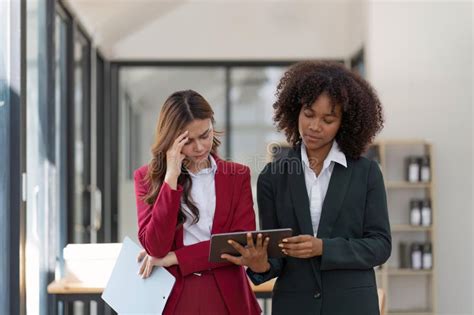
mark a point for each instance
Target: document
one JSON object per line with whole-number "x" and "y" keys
{"x": 127, "y": 293}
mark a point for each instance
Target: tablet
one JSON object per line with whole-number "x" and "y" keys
{"x": 220, "y": 246}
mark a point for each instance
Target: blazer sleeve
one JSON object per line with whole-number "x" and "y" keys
{"x": 375, "y": 246}
{"x": 157, "y": 222}
{"x": 195, "y": 258}
{"x": 268, "y": 220}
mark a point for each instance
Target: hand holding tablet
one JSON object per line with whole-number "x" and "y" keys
{"x": 235, "y": 246}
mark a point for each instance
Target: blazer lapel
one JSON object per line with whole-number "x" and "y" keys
{"x": 300, "y": 200}
{"x": 224, "y": 183}
{"x": 299, "y": 193}
{"x": 332, "y": 204}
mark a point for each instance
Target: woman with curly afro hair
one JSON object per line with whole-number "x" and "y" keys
{"x": 333, "y": 198}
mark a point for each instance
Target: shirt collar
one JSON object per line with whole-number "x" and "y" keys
{"x": 209, "y": 170}
{"x": 334, "y": 155}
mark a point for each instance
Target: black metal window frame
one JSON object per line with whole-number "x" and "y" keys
{"x": 107, "y": 124}
{"x": 78, "y": 34}
{"x": 100, "y": 150}
{"x": 107, "y": 149}
{"x": 107, "y": 231}
{"x": 66, "y": 93}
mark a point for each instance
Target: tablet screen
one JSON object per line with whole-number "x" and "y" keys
{"x": 220, "y": 246}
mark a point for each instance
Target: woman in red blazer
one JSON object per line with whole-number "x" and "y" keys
{"x": 185, "y": 194}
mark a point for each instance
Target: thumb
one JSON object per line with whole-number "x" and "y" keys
{"x": 141, "y": 255}
{"x": 232, "y": 259}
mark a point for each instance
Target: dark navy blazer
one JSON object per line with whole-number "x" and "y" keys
{"x": 354, "y": 227}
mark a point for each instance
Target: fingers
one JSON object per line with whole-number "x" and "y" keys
{"x": 295, "y": 246}
{"x": 232, "y": 259}
{"x": 300, "y": 246}
{"x": 145, "y": 270}
{"x": 238, "y": 247}
{"x": 265, "y": 244}
{"x": 149, "y": 269}
{"x": 181, "y": 140}
{"x": 259, "y": 240}
{"x": 147, "y": 266}
{"x": 250, "y": 244}
{"x": 298, "y": 253}
{"x": 141, "y": 255}
{"x": 178, "y": 143}
{"x": 261, "y": 243}
{"x": 181, "y": 144}
{"x": 174, "y": 157}
{"x": 181, "y": 137}
{"x": 142, "y": 267}
{"x": 297, "y": 239}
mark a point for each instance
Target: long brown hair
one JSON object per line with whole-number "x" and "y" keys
{"x": 180, "y": 109}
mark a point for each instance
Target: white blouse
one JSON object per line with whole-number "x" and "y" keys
{"x": 317, "y": 186}
{"x": 203, "y": 194}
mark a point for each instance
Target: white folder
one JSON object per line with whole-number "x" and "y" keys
{"x": 127, "y": 293}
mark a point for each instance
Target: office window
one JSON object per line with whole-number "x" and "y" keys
{"x": 252, "y": 95}
{"x": 39, "y": 166}
{"x": 100, "y": 234}
{"x": 46, "y": 149}
{"x": 60, "y": 132}
{"x": 10, "y": 176}
{"x": 81, "y": 217}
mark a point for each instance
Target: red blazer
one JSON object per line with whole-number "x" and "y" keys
{"x": 234, "y": 211}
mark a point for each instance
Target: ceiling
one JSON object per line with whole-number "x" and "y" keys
{"x": 197, "y": 30}
{"x": 220, "y": 29}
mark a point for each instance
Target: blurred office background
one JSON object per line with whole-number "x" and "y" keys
{"x": 82, "y": 83}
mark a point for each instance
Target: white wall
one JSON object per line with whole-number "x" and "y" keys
{"x": 419, "y": 58}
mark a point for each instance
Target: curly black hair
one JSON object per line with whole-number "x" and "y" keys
{"x": 304, "y": 82}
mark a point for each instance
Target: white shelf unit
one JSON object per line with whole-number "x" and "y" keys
{"x": 402, "y": 284}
